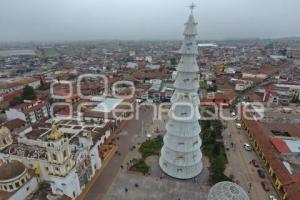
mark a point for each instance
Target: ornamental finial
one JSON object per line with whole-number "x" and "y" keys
{"x": 192, "y": 6}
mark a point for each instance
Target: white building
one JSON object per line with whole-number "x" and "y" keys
{"x": 181, "y": 156}
{"x": 241, "y": 85}
{"x": 29, "y": 111}
{"x": 66, "y": 155}
{"x": 131, "y": 65}
{"x": 15, "y": 181}
{"x": 254, "y": 75}
{"x": 152, "y": 67}
{"x": 148, "y": 59}
{"x": 229, "y": 70}
{"x": 11, "y": 86}
{"x": 114, "y": 110}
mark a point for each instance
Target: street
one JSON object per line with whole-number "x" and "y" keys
{"x": 103, "y": 182}
{"x": 244, "y": 173}
{"x": 239, "y": 166}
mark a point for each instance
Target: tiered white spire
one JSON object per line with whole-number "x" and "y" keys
{"x": 181, "y": 156}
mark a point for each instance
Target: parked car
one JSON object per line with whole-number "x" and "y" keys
{"x": 247, "y": 147}
{"x": 233, "y": 114}
{"x": 261, "y": 173}
{"x": 265, "y": 186}
{"x": 272, "y": 197}
{"x": 238, "y": 125}
{"x": 156, "y": 101}
{"x": 165, "y": 99}
{"x": 140, "y": 101}
{"x": 255, "y": 163}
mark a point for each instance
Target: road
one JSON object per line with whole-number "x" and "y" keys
{"x": 267, "y": 81}
{"x": 103, "y": 182}
{"x": 238, "y": 163}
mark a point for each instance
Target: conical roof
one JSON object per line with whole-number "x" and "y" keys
{"x": 190, "y": 26}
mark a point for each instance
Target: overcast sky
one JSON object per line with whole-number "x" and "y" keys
{"x": 145, "y": 19}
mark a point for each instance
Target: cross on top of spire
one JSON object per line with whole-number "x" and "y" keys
{"x": 192, "y": 6}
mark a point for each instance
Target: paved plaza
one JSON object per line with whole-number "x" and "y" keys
{"x": 156, "y": 185}
{"x": 149, "y": 187}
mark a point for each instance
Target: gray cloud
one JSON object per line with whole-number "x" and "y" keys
{"x": 145, "y": 19}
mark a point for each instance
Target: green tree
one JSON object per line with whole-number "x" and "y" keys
{"x": 15, "y": 101}
{"x": 28, "y": 93}
{"x": 216, "y": 149}
{"x": 295, "y": 98}
{"x": 283, "y": 52}
{"x": 203, "y": 84}
{"x": 173, "y": 61}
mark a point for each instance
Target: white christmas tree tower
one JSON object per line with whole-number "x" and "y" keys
{"x": 181, "y": 156}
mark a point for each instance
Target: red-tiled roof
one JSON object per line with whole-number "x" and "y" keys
{"x": 263, "y": 136}
{"x": 14, "y": 124}
{"x": 19, "y": 82}
{"x": 280, "y": 145}
{"x": 30, "y": 106}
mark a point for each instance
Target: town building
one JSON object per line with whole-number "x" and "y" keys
{"x": 16, "y": 181}
{"x": 113, "y": 110}
{"x": 30, "y": 111}
{"x": 277, "y": 144}
{"x": 65, "y": 154}
{"x": 11, "y": 86}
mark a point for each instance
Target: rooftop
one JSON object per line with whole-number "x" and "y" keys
{"x": 274, "y": 141}
{"x": 27, "y": 151}
{"x": 11, "y": 170}
{"x": 21, "y": 81}
{"x": 107, "y": 105}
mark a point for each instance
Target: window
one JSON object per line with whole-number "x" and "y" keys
{"x": 11, "y": 187}
{"x": 23, "y": 180}
{"x": 179, "y": 170}
{"x": 17, "y": 184}
{"x": 57, "y": 169}
{"x": 65, "y": 153}
{"x": 54, "y": 156}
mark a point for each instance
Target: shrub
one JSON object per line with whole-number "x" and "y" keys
{"x": 140, "y": 166}
{"x": 15, "y": 101}
{"x": 214, "y": 150}
{"x": 151, "y": 147}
